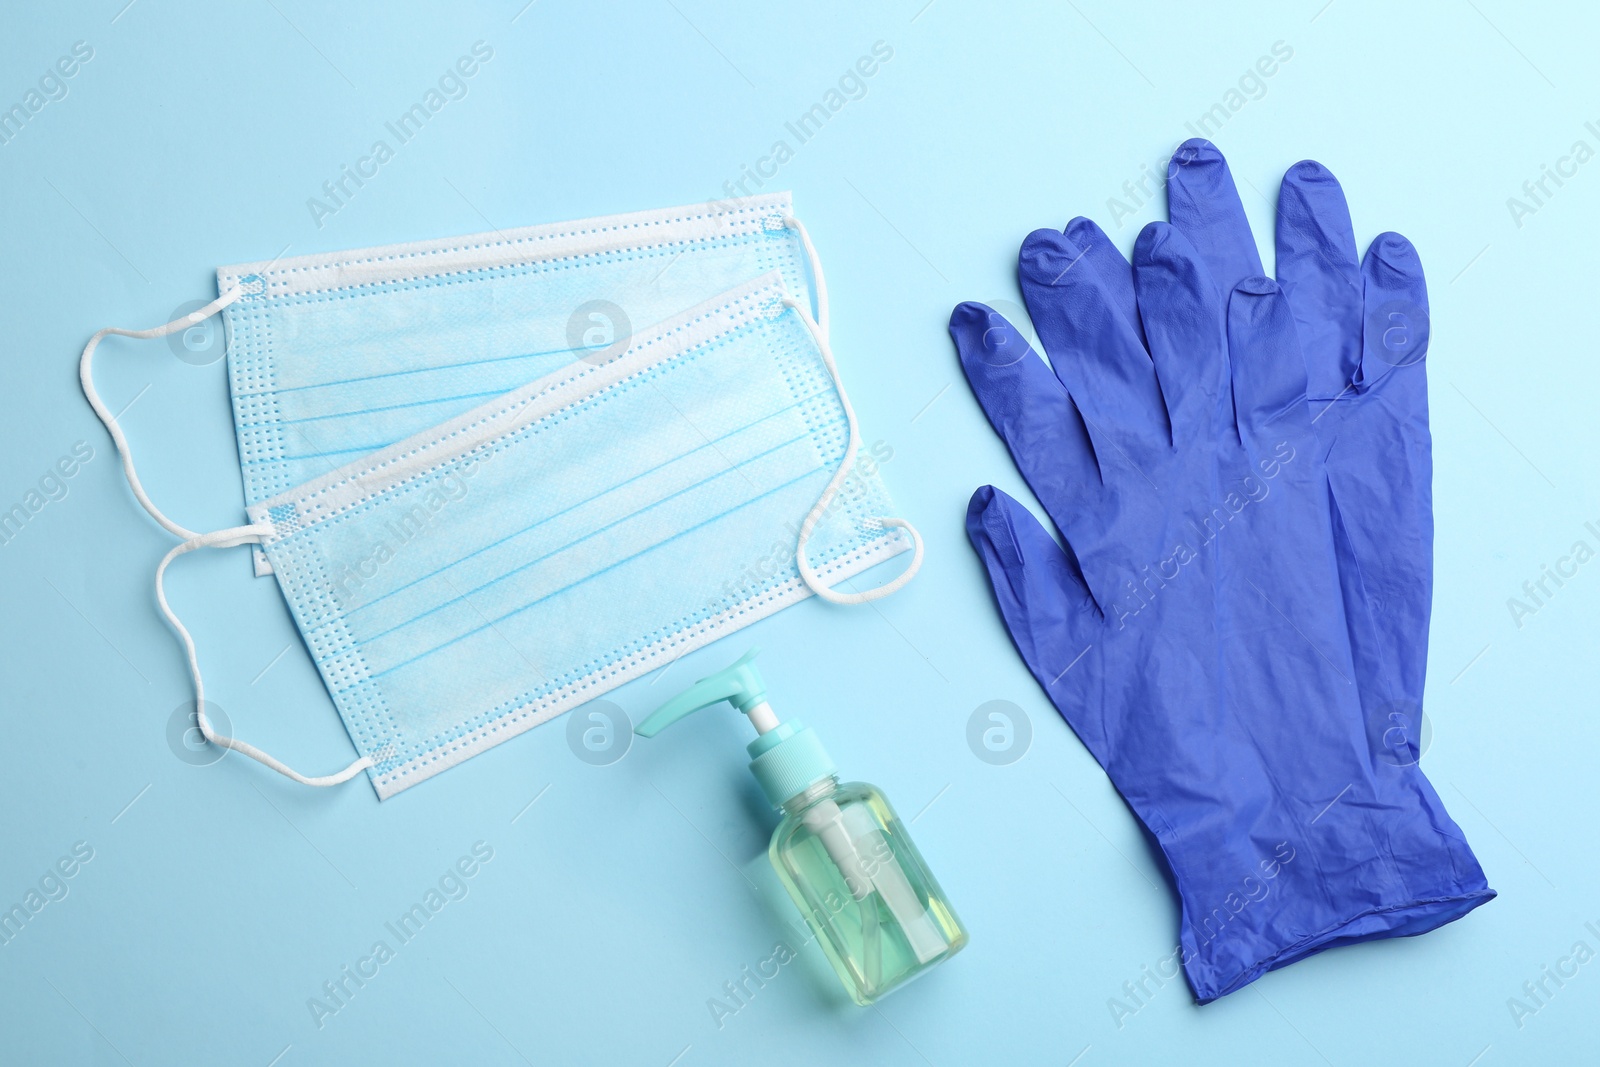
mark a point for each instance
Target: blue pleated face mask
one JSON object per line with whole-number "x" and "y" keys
{"x": 526, "y": 556}
{"x": 333, "y": 356}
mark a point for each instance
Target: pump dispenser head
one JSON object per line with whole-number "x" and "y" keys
{"x": 785, "y": 758}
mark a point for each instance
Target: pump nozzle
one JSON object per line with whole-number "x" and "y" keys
{"x": 739, "y": 684}
{"x": 785, "y": 759}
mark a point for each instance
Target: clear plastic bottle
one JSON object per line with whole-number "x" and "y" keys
{"x": 840, "y": 850}
{"x": 861, "y": 884}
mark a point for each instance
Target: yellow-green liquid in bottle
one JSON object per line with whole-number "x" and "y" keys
{"x": 863, "y": 888}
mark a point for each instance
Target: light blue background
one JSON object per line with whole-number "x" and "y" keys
{"x": 221, "y": 898}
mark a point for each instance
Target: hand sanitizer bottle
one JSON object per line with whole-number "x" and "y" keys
{"x": 840, "y": 850}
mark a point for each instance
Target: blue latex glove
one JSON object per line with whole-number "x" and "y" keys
{"x": 1192, "y": 634}
{"x": 1363, "y": 326}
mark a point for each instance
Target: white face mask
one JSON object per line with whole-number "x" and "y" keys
{"x": 486, "y": 574}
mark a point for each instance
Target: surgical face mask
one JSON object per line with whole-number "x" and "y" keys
{"x": 331, "y": 357}
{"x": 497, "y": 569}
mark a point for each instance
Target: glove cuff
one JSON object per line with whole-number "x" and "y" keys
{"x": 1273, "y": 921}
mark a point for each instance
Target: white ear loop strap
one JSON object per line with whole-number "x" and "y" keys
{"x": 86, "y": 376}
{"x": 238, "y": 535}
{"x": 819, "y": 333}
{"x": 818, "y": 280}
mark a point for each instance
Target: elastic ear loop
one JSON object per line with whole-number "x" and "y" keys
{"x": 86, "y": 376}
{"x": 818, "y": 280}
{"x": 819, "y": 331}
{"x": 229, "y": 538}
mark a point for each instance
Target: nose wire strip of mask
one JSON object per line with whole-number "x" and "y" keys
{"x": 818, "y": 329}
{"x": 229, "y": 538}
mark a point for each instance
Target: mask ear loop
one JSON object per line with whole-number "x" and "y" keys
{"x": 237, "y": 535}
{"x": 229, "y": 538}
{"x": 820, "y": 283}
{"x": 86, "y": 376}
{"x": 819, "y": 333}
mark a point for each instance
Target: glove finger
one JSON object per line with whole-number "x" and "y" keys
{"x": 1096, "y": 354}
{"x": 1047, "y": 609}
{"x": 1381, "y": 465}
{"x": 1029, "y": 409}
{"x": 1112, "y": 266}
{"x": 1187, "y": 327}
{"x": 1319, "y": 274}
{"x": 1269, "y": 374}
{"x": 1396, "y": 300}
{"x": 1203, "y": 202}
